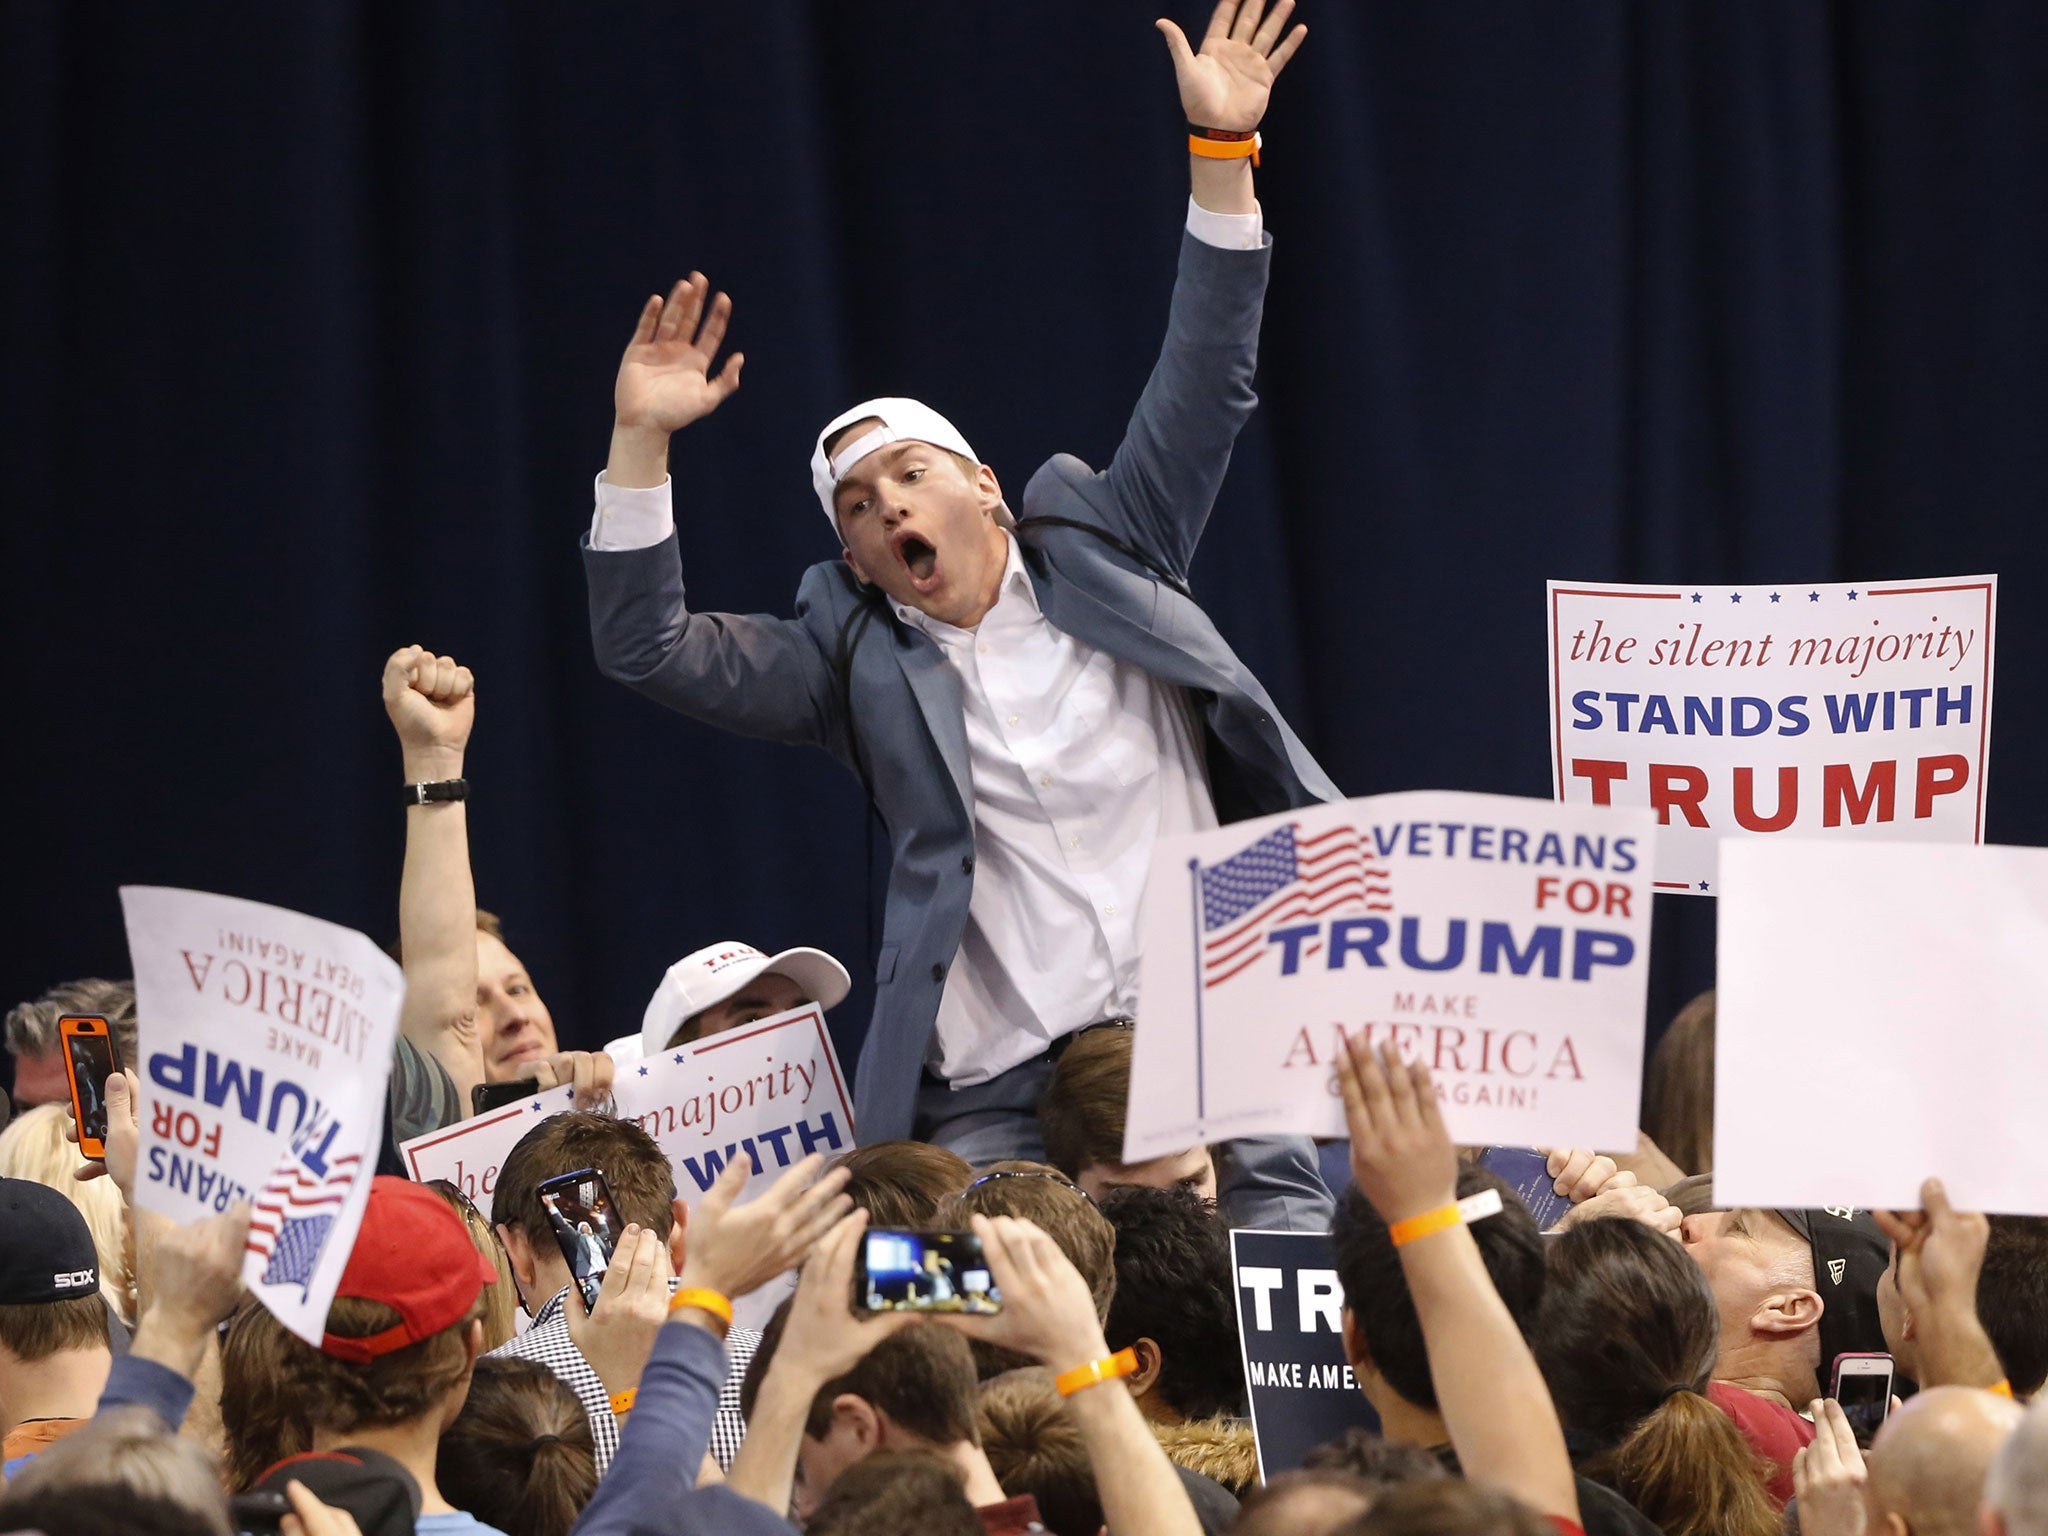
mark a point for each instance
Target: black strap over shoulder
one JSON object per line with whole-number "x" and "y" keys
{"x": 1129, "y": 551}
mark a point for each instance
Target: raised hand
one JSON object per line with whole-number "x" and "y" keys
{"x": 1228, "y": 83}
{"x": 734, "y": 1250}
{"x": 123, "y": 1092}
{"x": 617, "y": 1335}
{"x": 1402, "y": 1158}
{"x": 432, "y": 702}
{"x": 1048, "y": 1312}
{"x": 665, "y": 380}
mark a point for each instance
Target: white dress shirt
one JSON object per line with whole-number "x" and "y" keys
{"x": 1080, "y": 763}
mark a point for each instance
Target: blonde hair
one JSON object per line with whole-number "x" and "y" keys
{"x": 34, "y": 1148}
{"x": 501, "y": 1296}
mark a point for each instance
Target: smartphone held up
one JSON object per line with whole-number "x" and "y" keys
{"x": 1863, "y": 1387}
{"x": 90, "y": 1058}
{"x": 586, "y": 1226}
{"x": 905, "y": 1271}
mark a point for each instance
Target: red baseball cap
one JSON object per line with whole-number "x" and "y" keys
{"x": 413, "y": 1254}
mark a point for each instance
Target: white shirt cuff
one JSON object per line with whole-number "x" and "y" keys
{"x": 630, "y": 517}
{"x": 1229, "y": 231}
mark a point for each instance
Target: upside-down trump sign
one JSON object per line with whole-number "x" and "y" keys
{"x": 266, "y": 1040}
{"x": 1838, "y": 711}
{"x": 1502, "y": 941}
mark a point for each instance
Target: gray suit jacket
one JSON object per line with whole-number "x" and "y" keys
{"x": 846, "y": 676}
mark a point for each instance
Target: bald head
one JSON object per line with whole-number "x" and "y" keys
{"x": 2016, "y": 1492}
{"x": 1928, "y": 1465}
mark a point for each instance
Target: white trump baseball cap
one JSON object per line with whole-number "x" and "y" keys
{"x": 707, "y": 977}
{"x": 902, "y": 421}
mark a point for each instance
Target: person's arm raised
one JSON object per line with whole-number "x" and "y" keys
{"x": 1227, "y": 85}
{"x": 1495, "y": 1404}
{"x": 1940, "y": 1256}
{"x": 665, "y": 380}
{"x": 822, "y": 1339}
{"x": 1163, "y": 479}
{"x": 432, "y": 704}
{"x": 1049, "y": 1314}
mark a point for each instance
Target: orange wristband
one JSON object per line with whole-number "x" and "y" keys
{"x": 2003, "y": 1387}
{"x": 1123, "y": 1363}
{"x": 1225, "y": 149}
{"x": 1471, "y": 1208}
{"x": 622, "y": 1402}
{"x": 705, "y": 1300}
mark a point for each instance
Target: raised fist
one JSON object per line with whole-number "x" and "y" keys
{"x": 432, "y": 702}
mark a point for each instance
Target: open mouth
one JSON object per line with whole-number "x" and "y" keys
{"x": 919, "y": 558}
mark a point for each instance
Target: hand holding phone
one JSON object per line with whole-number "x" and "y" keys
{"x": 90, "y": 1058}
{"x": 1863, "y": 1386}
{"x": 586, "y": 1226}
{"x": 899, "y": 1270}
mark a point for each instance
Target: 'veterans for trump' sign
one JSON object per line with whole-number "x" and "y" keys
{"x": 266, "y": 1040}
{"x": 1503, "y": 941}
{"x": 1842, "y": 711}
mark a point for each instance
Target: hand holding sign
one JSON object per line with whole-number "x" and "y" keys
{"x": 1940, "y": 1256}
{"x": 589, "y": 1073}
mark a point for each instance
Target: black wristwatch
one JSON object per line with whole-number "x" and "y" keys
{"x": 437, "y": 792}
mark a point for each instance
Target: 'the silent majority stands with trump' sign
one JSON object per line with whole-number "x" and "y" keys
{"x": 1824, "y": 711}
{"x": 1502, "y": 941}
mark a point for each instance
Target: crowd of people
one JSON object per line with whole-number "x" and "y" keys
{"x": 1032, "y": 698}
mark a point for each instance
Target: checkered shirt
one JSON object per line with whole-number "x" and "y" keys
{"x": 548, "y": 1343}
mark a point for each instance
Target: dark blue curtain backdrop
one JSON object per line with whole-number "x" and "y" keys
{"x": 311, "y": 313}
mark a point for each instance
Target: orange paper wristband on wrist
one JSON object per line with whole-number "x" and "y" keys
{"x": 622, "y": 1402}
{"x": 2003, "y": 1387}
{"x": 1456, "y": 1214}
{"x": 1225, "y": 149}
{"x": 704, "y": 1300}
{"x": 1123, "y": 1363}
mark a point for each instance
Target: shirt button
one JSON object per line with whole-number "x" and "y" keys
{"x": 983, "y": 649}
{"x": 1109, "y": 911}
{"x": 1045, "y": 781}
{"x": 1011, "y": 721}
{"x": 1073, "y": 842}
{"x": 938, "y": 972}
{"x": 967, "y": 865}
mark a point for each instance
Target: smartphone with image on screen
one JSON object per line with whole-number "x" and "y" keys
{"x": 587, "y": 1226}
{"x": 89, "y": 1060}
{"x": 898, "y": 1270}
{"x": 1863, "y": 1386}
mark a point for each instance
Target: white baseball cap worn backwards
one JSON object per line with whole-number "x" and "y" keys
{"x": 902, "y": 421}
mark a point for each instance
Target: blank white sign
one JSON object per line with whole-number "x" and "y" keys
{"x": 1882, "y": 1017}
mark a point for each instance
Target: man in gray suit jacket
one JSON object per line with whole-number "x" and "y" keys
{"x": 1030, "y": 700}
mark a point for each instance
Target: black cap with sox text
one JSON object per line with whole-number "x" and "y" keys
{"x": 46, "y": 1251}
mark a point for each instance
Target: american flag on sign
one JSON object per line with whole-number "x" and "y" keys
{"x": 297, "y": 1253}
{"x": 295, "y": 1211}
{"x": 1281, "y": 878}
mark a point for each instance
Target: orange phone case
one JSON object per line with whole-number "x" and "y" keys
{"x": 92, "y": 1148}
